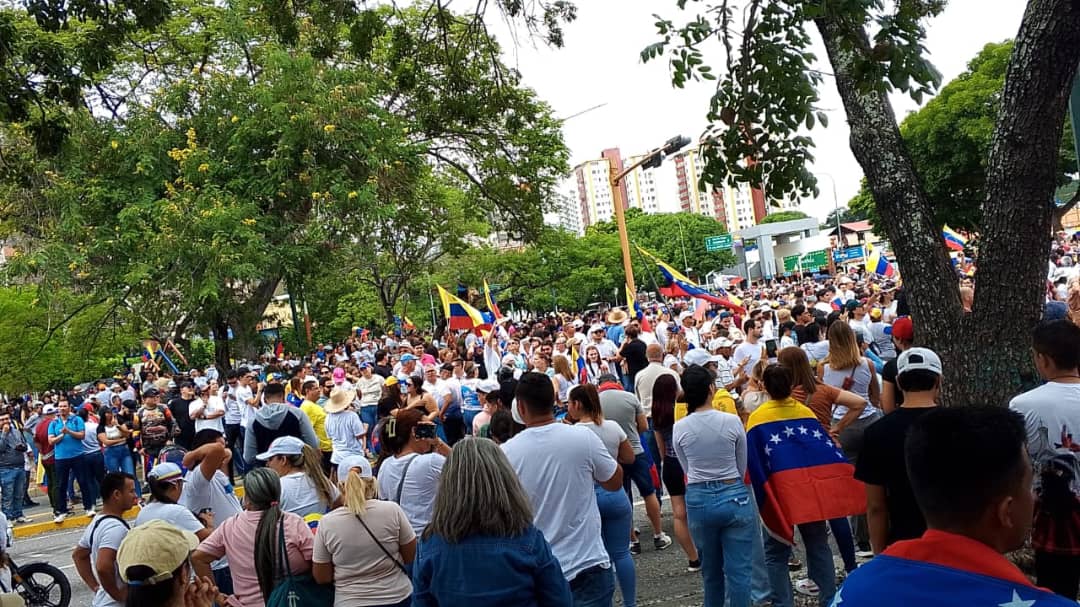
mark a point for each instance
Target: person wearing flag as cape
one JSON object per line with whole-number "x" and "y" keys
{"x": 972, "y": 478}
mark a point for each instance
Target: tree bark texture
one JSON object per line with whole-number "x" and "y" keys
{"x": 986, "y": 353}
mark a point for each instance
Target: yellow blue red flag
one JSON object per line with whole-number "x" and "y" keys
{"x": 460, "y": 315}
{"x": 494, "y": 309}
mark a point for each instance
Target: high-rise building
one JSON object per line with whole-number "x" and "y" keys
{"x": 707, "y": 201}
{"x": 567, "y": 213}
{"x": 595, "y": 198}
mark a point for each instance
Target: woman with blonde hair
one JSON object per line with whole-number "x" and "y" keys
{"x": 365, "y": 546}
{"x": 481, "y": 541}
{"x": 564, "y": 379}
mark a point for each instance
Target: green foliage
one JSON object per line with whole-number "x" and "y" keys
{"x": 784, "y": 216}
{"x": 767, "y": 90}
{"x": 949, "y": 140}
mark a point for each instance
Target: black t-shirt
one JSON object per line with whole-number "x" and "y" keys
{"x": 179, "y": 409}
{"x": 881, "y": 462}
{"x": 634, "y": 353}
{"x": 888, "y": 373}
{"x": 383, "y": 371}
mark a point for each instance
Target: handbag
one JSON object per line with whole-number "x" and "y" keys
{"x": 296, "y": 590}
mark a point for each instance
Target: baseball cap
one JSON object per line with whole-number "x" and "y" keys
{"x": 282, "y": 445}
{"x": 902, "y": 329}
{"x": 339, "y": 375}
{"x": 725, "y": 314}
{"x": 356, "y": 461}
{"x": 916, "y": 359}
{"x": 50, "y": 409}
{"x": 578, "y": 323}
{"x": 697, "y": 356}
{"x": 155, "y": 544}
{"x": 166, "y": 471}
{"x": 407, "y": 357}
{"x": 152, "y": 392}
{"x": 487, "y": 386}
{"x": 875, "y": 313}
{"x": 595, "y": 328}
{"x": 390, "y": 381}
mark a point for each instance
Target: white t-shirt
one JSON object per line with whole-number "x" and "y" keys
{"x": 174, "y": 514}
{"x": 369, "y": 390}
{"x": 747, "y": 351}
{"x": 212, "y": 404}
{"x": 243, "y": 395}
{"x": 342, "y": 428}
{"x": 558, "y": 466}
{"x": 420, "y": 487}
{"x": 298, "y": 495}
{"x": 215, "y": 493}
{"x": 108, "y": 532}
{"x": 1051, "y": 415}
{"x": 610, "y": 433}
{"x": 232, "y": 406}
{"x": 710, "y": 445}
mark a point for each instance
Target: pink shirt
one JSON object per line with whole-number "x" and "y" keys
{"x": 235, "y": 538}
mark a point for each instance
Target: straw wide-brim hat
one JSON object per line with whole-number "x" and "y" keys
{"x": 616, "y": 317}
{"x": 339, "y": 400}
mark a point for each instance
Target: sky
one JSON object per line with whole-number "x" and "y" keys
{"x": 600, "y": 64}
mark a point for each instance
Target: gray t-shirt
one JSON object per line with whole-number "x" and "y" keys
{"x": 108, "y": 532}
{"x": 623, "y": 408}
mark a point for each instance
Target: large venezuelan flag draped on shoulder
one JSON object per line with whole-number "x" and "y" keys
{"x": 942, "y": 570}
{"x": 677, "y": 285}
{"x": 798, "y": 473}
{"x": 460, "y": 315}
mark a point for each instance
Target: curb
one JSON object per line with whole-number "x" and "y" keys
{"x": 78, "y": 521}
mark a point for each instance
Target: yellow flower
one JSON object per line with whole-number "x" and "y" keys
{"x": 353, "y": 195}
{"x": 329, "y": 128}
{"x": 204, "y": 167}
{"x": 235, "y": 119}
{"x": 114, "y": 143}
{"x": 248, "y": 222}
{"x": 315, "y": 195}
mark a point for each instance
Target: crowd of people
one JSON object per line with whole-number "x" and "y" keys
{"x": 424, "y": 471}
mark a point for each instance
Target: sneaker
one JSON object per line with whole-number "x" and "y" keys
{"x": 59, "y": 518}
{"x": 693, "y": 566}
{"x": 90, "y": 512}
{"x": 661, "y": 541}
{"x": 22, "y": 519}
{"x": 807, "y": 587}
{"x": 635, "y": 548}
{"x": 864, "y": 554}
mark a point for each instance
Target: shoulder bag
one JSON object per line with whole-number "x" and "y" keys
{"x": 296, "y": 590}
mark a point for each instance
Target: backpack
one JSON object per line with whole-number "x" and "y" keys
{"x": 157, "y": 433}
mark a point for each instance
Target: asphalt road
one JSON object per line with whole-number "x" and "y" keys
{"x": 662, "y": 576}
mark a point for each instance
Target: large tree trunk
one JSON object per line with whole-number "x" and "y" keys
{"x": 1020, "y": 181}
{"x": 222, "y": 354}
{"x": 906, "y": 218}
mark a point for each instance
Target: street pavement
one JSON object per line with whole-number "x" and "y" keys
{"x": 662, "y": 576}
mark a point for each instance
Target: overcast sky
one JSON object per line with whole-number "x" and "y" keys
{"x": 600, "y": 64}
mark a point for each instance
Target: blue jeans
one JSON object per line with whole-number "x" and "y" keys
{"x": 616, "y": 520}
{"x": 841, "y": 530}
{"x": 71, "y": 467}
{"x": 819, "y": 564}
{"x": 469, "y": 417}
{"x": 593, "y": 587}
{"x": 648, "y": 440}
{"x": 12, "y": 488}
{"x": 94, "y": 472}
{"x": 369, "y": 415}
{"x": 760, "y": 588}
{"x": 118, "y": 459}
{"x": 722, "y": 523}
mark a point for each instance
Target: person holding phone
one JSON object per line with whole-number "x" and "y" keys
{"x": 410, "y": 464}
{"x": 13, "y": 450}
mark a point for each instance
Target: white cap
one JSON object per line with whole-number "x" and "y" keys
{"x": 595, "y": 328}
{"x": 578, "y": 323}
{"x": 487, "y": 386}
{"x": 684, "y": 314}
{"x": 917, "y": 359}
{"x": 282, "y": 445}
{"x": 355, "y": 461}
{"x": 49, "y": 409}
{"x": 697, "y": 356}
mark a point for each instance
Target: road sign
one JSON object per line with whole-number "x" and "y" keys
{"x": 721, "y": 242}
{"x": 848, "y": 254}
{"x": 809, "y": 262}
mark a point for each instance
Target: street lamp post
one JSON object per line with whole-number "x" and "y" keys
{"x": 839, "y": 230}
{"x": 651, "y": 160}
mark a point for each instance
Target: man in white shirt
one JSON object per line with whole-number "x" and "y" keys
{"x": 208, "y": 410}
{"x": 749, "y": 352}
{"x": 558, "y": 466}
{"x": 688, "y": 324}
{"x": 95, "y": 554}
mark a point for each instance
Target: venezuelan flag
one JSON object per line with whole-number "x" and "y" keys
{"x": 460, "y": 315}
{"x": 878, "y": 264}
{"x": 490, "y": 301}
{"x": 798, "y": 473}
{"x": 639, "y": 314}
{"x": 677, "y": 285}
{"x": 953, "y": 240}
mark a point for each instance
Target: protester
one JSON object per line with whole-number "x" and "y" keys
{"x": 251, "y": 541}
{"x": 317, "y": 416}
{"x": 207, "y": 488}
{"x": 903, "y": 338}
{"x": 410, "y": 464}
{"x": 95, "y": 553}
{"x": 616, "y": 510}
{"x": 483, "y": 519}
{"x": 369, "y": 388}
{"x": 664, "y": 392}
{"x": 166, "y": 485}
{"x": 207, "y": 410}
{"x": 153, "y": 560}
{"x": 978, "y": 504}
{"x": 343, "y": 427}
{"x": 364, "y": 547}
{"x": 305, "y": 490}
{"x": 114, "y": 437}
{"x": 65, "y": 434}
{"x": 57, "y": 498}
{"x": 558, "y": 466}
{"x": 156, "y": 427}
{"x": 1052, "y": 418}
{"x": 180, "y": 407}
{"x": 711, "y": 448}
{"x": 275, "y": 419}
{"x": 92, "y": 460}
{"x": 13, "y": 448}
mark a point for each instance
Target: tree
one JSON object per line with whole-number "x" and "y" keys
{"x": 784, "y": 216}
{"x": 767, "y": 90}
{"x": 949, "y": 139}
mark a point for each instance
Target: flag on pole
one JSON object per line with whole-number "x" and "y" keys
{"x": 798, "y": 473}
{"x": 408, "y": 324}
{"x": 677, "y": 285}
{"x": 953, "y": 240}
{"x": 635, "y": 306}
{"x": 490, "y": 301}
{"x": 878, "y": 264}
{"x": 460, "y": 315}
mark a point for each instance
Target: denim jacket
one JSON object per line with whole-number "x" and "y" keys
{"x": 485, "y": 570}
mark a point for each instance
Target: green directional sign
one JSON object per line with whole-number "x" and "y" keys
{"x": 721, "y": 242}
{"x": 809, "y": 262}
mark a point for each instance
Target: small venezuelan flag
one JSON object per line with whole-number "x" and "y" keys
{"x": 490, "y": 301}
{"x": 460, "y": 315}
{"x": 953, "y": 240}
{"x": 798, "y": 473}
{"x": 878, "y": 264}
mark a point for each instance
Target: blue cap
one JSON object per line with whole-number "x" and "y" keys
{"x": 407, "y": 357}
